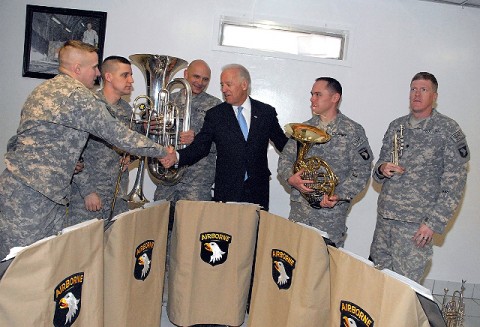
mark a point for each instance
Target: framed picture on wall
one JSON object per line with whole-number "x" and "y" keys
{"x": 47, "y": 29}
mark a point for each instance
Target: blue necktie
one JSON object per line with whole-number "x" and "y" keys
{"x": 243, "y": 126}
{"x": 242, "y": 122}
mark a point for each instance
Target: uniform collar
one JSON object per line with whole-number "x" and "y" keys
{"x": 424, "y": 124}
{"x": 332, "y": 125}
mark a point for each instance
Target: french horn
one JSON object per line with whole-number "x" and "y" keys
{"x": 314, "y": 168}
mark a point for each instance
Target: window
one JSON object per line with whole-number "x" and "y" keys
{"x": 273, "y": 38}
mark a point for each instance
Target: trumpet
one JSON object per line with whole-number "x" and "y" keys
{"x": 398, "y": 145}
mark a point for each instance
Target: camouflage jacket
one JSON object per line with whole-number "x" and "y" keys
{"x": 348, "y": 154}
{"x": 435, "y": 157}
{"x": 203, "y": 172}
{"x": 102, "y": 160}
{"x": 55, "y": 123}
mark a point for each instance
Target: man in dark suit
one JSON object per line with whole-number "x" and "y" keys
{"x": 242, "y": 173}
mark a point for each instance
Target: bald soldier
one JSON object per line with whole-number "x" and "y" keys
{"x": 197, "y": 180}
{"x": 56, "y": 121}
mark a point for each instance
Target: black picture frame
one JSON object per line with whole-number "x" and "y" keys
{"x": 48, "y": 28}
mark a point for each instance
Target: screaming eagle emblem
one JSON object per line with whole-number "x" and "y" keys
{"x": 214, "y": 249}
{"x": 282, "y": 268}
{"x": 354, "y": 316}
{"x": 143, "y": 259}
{"x": 67, "y": 297}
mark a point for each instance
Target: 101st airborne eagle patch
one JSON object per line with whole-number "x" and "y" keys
{"x": 351, "y": 315}
{"x": 143, "y": 259}
{"x": 282, "y": 268}
{"x": 68, "y": 300}
{"x": 214, "y": 247}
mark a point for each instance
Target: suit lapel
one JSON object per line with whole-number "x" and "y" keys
{"x": 254, "y": 120}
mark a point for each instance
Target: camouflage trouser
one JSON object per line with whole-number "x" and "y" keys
{"x": 182, "y": 191}
{"x": 77, "y": 212}
{"x": 328, "y": 220}
{"x": 26, "y": 216}
{"x": 393, "y": 248}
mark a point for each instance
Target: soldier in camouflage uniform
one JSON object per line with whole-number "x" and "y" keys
{"x": 55, "y": 123}
{"x": 422, "y": 192}
{"x": 197, "y": 180}
{"x": 94, "y": 187}
{"x": 347, "y": 153}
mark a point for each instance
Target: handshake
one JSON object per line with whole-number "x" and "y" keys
{"x": 170, "y": 159}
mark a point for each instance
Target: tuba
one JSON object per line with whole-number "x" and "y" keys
{"x": 171, "y": 117}
{"x": 315, "y": 168}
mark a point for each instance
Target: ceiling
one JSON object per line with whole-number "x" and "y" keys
{"x": 463, "y": 3}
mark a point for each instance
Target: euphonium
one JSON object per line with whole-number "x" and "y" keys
{"x": 314, "y": 168}
{"x": 398, "y": 144}
{"x": 171, "y": 117}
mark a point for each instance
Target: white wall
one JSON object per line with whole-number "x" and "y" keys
{"x": 391, "y": 41}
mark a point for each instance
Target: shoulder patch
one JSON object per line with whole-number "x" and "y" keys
{"x": 357, "y": 141}
{"x": 457, "y": 136}
{"x": 364, "y": 153}
{"x": 463, "y": 150}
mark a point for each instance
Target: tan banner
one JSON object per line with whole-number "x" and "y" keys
{"x": 291, "y": 282}
{"x": 58, "y": 282}
{"x": 135, "y": 251}
{"x": 364, "y": 296}
{"x": 211, "y": 260}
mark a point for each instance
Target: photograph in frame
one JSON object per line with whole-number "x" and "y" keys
{"x": 48, "y": 28}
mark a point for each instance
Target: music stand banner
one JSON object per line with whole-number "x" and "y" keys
{"x": 135, "y": 252}
{"x": 364, "y": 296}
{"x": 58, "y": 282}
{"x": 211, "y": 258}
{"x": 291, "y": 285}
